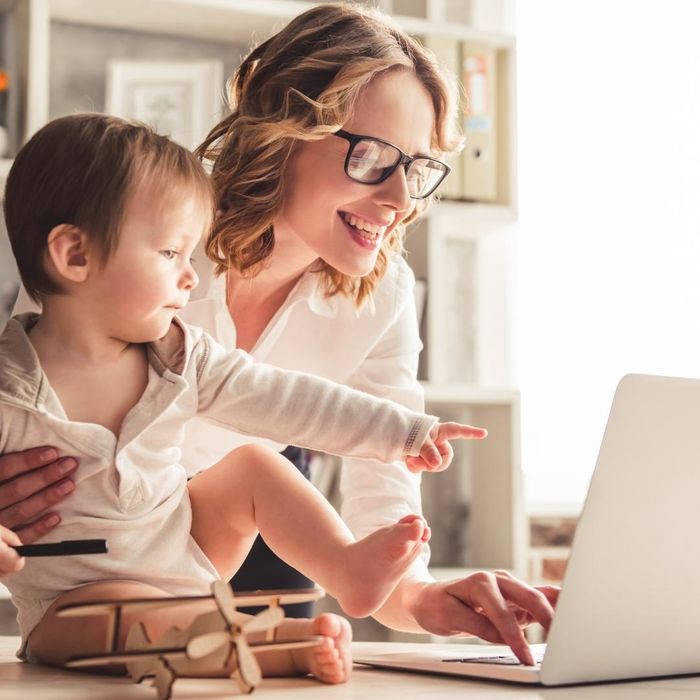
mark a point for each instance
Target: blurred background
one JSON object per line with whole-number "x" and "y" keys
{"x": 564, "y": 252}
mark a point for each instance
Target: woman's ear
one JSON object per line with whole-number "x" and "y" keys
{"x": 68, "y": 251}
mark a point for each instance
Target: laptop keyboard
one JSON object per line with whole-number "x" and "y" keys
{"x": 505, "y": 660}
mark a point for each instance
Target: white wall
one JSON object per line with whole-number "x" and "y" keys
{"x": 609, "y": 232}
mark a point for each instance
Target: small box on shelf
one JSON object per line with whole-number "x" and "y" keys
{"x": 410, "y": 8}
{"x": 9, "y": 102}
{"x": 4, "y": 95}
{"x": 480, "y": 123}
{"x": 483, "y": 171}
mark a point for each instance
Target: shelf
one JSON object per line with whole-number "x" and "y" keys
{"x": 563, "y": 507}
{"x": 454, "y": 209}
{"x": 461, "y": 32}
{"x": 230, "y": 20}
{"x": 469, "y": 394}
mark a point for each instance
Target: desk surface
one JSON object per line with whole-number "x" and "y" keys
{"x": 29, "y": 682}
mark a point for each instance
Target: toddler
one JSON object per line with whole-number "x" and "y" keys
{"x": 103, "y": 216}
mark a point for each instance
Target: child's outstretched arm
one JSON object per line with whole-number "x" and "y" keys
{"x": 436, "y": 451}
{"x": 309, "y": 411}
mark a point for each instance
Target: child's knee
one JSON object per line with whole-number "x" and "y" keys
{"x": 257, "y": 456}
{"x": 254, "y": 452}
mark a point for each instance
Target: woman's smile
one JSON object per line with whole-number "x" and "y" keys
{"x": 367, "y": 239}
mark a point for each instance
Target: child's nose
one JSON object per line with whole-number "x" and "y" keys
{"x": 190, "y": 279}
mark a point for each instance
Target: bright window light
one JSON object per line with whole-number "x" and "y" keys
{"x": 609, "y": 218}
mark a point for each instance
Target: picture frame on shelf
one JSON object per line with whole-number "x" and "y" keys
{"x": 4, "y": 89}
{"x": 179, "y": 99}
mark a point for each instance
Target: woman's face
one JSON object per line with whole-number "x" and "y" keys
{"x": 329, "y": 216}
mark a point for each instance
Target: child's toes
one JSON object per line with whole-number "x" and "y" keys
{"x": 331, "y": 673}
{"x": 416, "y": 526}
{"x": 328, "y": 626}
{"x": 327, "y": 655}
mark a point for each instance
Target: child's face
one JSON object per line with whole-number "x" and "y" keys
{"x": 149, "y": 276}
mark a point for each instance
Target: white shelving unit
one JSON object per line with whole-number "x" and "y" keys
{"x": 497, "y": 521}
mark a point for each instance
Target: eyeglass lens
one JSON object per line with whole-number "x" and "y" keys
{"x": 372, "y": 161}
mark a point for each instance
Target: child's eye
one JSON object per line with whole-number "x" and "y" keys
{"x": 168, "y": 254}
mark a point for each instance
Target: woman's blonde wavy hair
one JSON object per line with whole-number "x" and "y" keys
{"x": 301, "y": 85}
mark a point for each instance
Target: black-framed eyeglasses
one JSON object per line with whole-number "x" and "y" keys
{"x": 371, "y": 161}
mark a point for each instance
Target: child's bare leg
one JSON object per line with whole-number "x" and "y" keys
{"x": 330, "y": 662}
{"x": 255, "y": 489}
{"x": 56, "y": 639}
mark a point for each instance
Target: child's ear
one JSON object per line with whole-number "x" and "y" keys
{"x": 68, "y": 250}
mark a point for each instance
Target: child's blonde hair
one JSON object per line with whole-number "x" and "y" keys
{"x": 301, "y": 85}
{"x": 80, "y": 170}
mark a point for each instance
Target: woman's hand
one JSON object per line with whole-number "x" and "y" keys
{"x": 10, "y": 561}
{"x": 436, "y": 452}
{"x": 492, "y": 605}
{"x": 31, "y": 482}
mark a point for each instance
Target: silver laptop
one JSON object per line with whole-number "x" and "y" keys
{"x": 630, "y": 603}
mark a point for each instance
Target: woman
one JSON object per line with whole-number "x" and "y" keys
{"x": 332, "y": 146}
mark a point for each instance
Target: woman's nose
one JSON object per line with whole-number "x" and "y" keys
{"x": 393, "y": 192}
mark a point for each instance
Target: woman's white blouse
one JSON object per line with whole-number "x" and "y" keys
{"x": 375, "y": 350}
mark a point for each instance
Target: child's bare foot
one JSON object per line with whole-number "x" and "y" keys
{"x": 331, "y": 661}
{"x": 368, "y": 571}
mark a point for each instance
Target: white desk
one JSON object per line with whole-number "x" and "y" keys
{"x": 27, "y": 682}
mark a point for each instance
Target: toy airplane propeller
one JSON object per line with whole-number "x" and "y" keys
{"x": 201, "y": 649}
{"x": 248, "y": 671}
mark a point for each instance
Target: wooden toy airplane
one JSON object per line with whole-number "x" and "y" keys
{"x": 182, "y": 652}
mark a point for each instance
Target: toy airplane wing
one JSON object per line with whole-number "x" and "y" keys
{"x": 105, "y": 607}
{"x": 244, "y": 599}
{"x": 121, "y": 657}
{"x": 282, "y": 596}
{"x": 286, "y": 644}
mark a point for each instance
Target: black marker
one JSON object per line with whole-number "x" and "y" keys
{"x": 61, "y": 549}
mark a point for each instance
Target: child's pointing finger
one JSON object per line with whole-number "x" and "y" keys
{"x": 454, "y": 431}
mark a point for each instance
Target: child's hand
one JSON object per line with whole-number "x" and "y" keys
{"x": 10, "y": 561}
{"x": 436, "y": 452}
